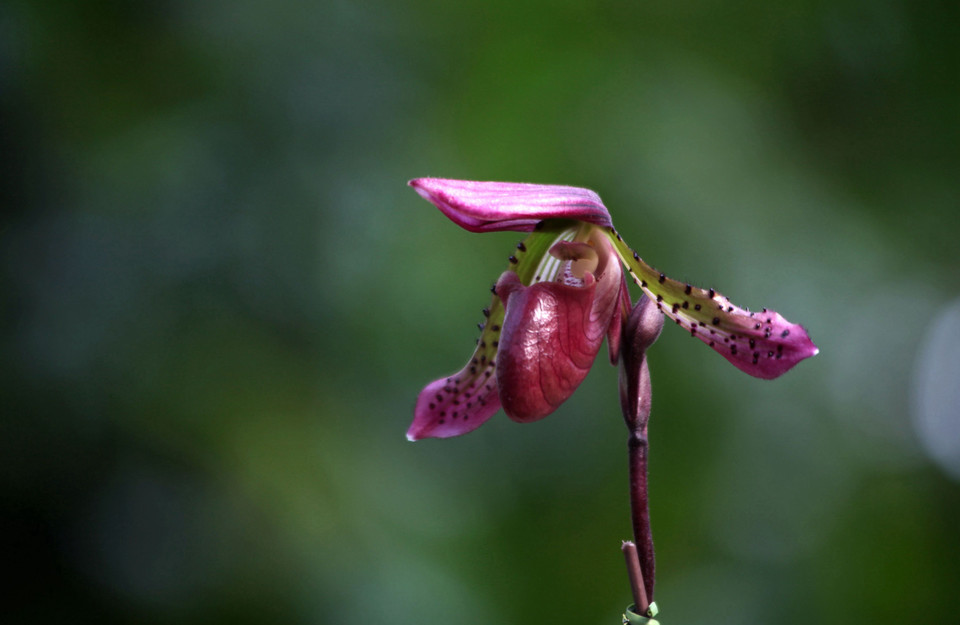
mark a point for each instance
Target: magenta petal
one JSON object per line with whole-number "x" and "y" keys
{"x": 546, "y": 347}
{"x": 763, "y": 344}
{"x": 551, "y": 335}
{"x": 455, "y": 405}
{"x": 492, "y": 206}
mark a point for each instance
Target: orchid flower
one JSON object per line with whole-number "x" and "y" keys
{"x": 564, "y": 290}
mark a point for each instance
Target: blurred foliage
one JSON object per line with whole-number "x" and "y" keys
{"x": 219, "y": 302}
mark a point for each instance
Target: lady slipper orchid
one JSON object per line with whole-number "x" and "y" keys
{"x": 563, "y": 291}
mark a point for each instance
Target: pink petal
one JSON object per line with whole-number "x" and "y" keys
{"x": 763, "y": 344}
{"x": 492, "y": 206}
{"x": 551, "y": 335}
{"x": 455, "y": 405}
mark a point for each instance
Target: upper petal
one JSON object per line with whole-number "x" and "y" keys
{"x": 491, "y": 206}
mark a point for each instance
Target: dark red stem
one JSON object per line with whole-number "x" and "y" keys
{"x": 640, "y": 508}
{"x": 641, "y": 329}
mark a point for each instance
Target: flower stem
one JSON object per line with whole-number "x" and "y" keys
{"x": 641, "y": 329}
{"x": 639, "y": 507}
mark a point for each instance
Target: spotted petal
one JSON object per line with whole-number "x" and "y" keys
{"x": 461, "y": 402}
{"x": 763, "y": 344}
{"x": 493, "y": 206}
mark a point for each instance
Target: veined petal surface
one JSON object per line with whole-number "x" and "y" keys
{"x": 553, "y": 330}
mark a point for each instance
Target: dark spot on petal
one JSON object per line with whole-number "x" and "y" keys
{"x": 473, "y": 370}
{"x": 756, "y": 357}
{"x": 729, "y": 308}
{"x": 696, "y": 306}
{"x": 486, "y": 312}
{"x": 439, "y": 397}
{"x": 688, "y": 289}
{"x": 513, "y": 260}
{"x": 676, "y": 307}
{"x": 495, "y": 328}
{"x": 636, "y": 256}
{"x": 716, "y": 321}
{"x": 433, "y": 406}
{"x": 770, "y": 354}
{"x": 662, "y": 278}
{"x": 785, "y": 334}
{"x": 733, "y": 349}
{"x": 643, "y": 283}
{"x": 443, "y": 413}
{"x": 758, "y": 326}
{"x": 480, "y": 325}
{"x": 711, "y": 293}
{"x": 678, "y": 321}
{"x": 711, "y": 342}
{"x": 521, "y": 246}
{"x": 496, "y": 344}
{"x": 493, "y": 289}
{"x": 686, "y": 305}
{"x": 693, "y": 330}
{"x": 659, "y": 298}
{"x": 753, "y": 343}
{"x": 441, "y": 421}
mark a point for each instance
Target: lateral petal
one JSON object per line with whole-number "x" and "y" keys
{"x": 763, "y": 344}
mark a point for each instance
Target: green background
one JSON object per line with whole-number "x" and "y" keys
{"x": 220, "y": 300}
